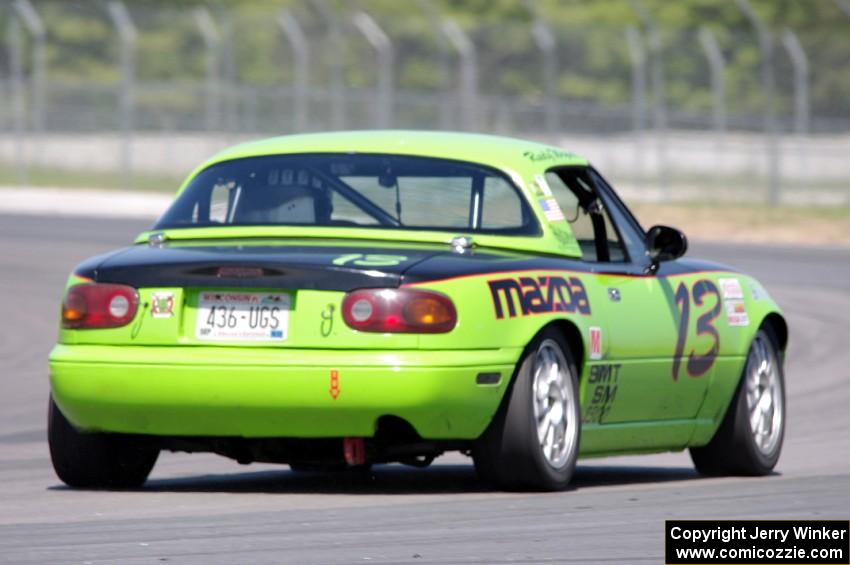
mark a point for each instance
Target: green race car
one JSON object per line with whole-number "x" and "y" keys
{"x": 335, "y": 300}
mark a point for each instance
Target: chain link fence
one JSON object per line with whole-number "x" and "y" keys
{"x": 140, "y": 92}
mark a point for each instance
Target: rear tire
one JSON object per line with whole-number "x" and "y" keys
{"x": 533, "y": 441}
{"x": 750, "y": 437}
{"x": 97, "y": 460}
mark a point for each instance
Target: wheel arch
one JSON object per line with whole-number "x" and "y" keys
{"x": 572, "y": 335}
{"x": 502, "y": 454}
{"x": 724, "y": 448}
{"x": 777, "y": 324}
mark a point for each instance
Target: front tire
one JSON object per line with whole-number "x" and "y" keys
{"x": 533, "y": 441}
{"x": 750, "y": 438}
{"x": 96, "y": 460}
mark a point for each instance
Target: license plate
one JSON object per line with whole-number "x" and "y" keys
{"x": 242, "y": 316}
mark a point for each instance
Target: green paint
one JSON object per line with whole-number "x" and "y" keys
{"x": 156, "y": 377}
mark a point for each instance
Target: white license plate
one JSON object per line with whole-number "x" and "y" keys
{"x": 242, "y": 316}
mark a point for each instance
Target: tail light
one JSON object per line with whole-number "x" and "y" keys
{"x": 399, "y": 311}
{"x": 90, "y": 306}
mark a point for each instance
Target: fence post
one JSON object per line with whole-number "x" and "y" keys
{"x": 35, "y": 28}
{"x": 468, "y": 83}
{"x": 301, "y": 55}
{"x": 337, "y": 86}
{"x": 229, "y": 91}
{"x": 445, "y": 63}
{"x": 212, "y": 42}
{"x": 127, "y": 38}
{"x": 771, "y": 128}
{"x": 637, "y": 57}
{"x": 546, "y": 43}
{"x": 800, "y": 63}
{"x": 16, "y": 72}
{"x": 717, "y": 69}
{"x": 378, "y": 39}
{"x": 659, "y": 99}
{"x": 844, "y": 6}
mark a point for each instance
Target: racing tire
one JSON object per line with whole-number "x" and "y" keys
{"x": 533, "y": 441}
{"x": 97, "y": 460}
{"x": 749, "y": 439}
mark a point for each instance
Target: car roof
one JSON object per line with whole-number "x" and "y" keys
{"x": 496, "y": 151}
{"x": 521, "y": 159}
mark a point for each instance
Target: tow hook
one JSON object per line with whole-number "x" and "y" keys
{"x": 354, "y": 450}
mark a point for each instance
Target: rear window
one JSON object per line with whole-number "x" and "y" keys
{"x": 374, "y": 191}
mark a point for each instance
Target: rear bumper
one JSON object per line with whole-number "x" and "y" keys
{"x": 220, "y": 391}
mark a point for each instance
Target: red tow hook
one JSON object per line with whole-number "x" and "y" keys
{"x": 354, "y": 449}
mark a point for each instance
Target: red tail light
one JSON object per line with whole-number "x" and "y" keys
{"x": 399, "y": 311}
{"x": 89, "y": 306}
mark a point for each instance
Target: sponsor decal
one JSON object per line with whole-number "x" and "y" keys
{"x": 595, "y": 342}
{"x": 361, "y": 260}
{"x": 162, "y": 304}
{"x": 327, "y": 324}
{"x": 731, "y": 289}
{"x": 551, "y": 209}
{"x": 542, "y": 185}
{"x": 334, "y": 390}
{"x": 603, "y": 380}
{"x": 564, "y": 236}
{"x": 758, "y": 292}
{"x": 548, "y": 154}
{"x": 702, "y": 295}
{"x": 540, "y": 295}
{"x": 736, "y": 313}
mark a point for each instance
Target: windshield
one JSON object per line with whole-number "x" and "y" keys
{"x": 375, "y": 191}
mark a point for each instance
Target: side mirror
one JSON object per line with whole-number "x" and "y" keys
{"x": 664, "y": 243}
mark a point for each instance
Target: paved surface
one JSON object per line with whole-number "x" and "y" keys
{"x": 204, "y": 509}
{"x": 66, "y": 202}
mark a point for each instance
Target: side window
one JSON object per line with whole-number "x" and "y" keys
{"x": 632, "y": 234}
{"x": 587, "y": 215}
{"x": 579, "y": 221}
{"x": 501, "y": 206}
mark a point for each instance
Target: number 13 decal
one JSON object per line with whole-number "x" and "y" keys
{"x": 698, "y": 363}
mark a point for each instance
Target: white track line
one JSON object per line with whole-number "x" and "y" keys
{"x": 76, "y": 202}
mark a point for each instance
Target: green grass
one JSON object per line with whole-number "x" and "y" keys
{"x": 55, "y": 177}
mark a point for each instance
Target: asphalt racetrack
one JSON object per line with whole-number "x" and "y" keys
{"x": 205, "y": 509}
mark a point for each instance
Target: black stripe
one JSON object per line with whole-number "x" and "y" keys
{"x": 312, "y": 267}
